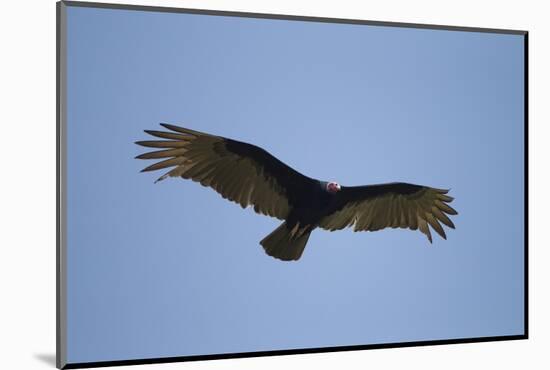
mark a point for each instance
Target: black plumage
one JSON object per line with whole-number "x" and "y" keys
{"x": 250, "y": 176}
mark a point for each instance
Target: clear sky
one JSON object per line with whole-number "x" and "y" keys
{"x": 172, "y": 269}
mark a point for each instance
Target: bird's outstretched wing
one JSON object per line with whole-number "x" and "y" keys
{"x": 240, "y": 172}
{"x": 375, "y": 207}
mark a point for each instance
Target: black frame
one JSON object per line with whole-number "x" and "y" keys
{"x": 61, "y": 362}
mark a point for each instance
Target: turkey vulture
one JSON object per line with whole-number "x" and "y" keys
{"x": 250, "y": 176}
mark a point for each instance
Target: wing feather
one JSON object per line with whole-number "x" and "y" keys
{"x": 435, "y": 225}
{"x": 162, "y": 144}
{"x": 442, "y": 217}
{"x": 396, "y": 212}
{"x": 164, "y": 164}
{"x": 423, "y": 227}
{"x": 394, "y": 205}
{"x": 445, "y": 207}
{"x": 413, "y": 219}
{"x": 404, "y": 222}
{"x": 167, "y": 135}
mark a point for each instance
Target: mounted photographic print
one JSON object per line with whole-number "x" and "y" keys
{"x": 236, "y": 184}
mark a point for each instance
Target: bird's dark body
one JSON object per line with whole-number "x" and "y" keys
{"x": 249, "y": 175}
{"x": 312, "y": 207}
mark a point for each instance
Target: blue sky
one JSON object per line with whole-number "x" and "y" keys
{"x": 172, "y": 269}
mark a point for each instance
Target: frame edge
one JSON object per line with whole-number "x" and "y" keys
{"x": 288, "y": 17}
{"x": 61, "y": 247}
{"x": 526, "y": 183}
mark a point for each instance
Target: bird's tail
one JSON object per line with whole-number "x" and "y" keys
{"x": 287, "y": 243}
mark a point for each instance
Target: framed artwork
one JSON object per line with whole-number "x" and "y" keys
{"x": 213, "y": 167}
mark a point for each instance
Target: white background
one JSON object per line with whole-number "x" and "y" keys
{"x": 27, "y": 196}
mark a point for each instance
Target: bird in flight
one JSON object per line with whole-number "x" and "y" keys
{"x": 249, "y": 176}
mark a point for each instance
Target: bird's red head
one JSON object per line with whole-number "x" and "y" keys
{"x": 333, "y": 187}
